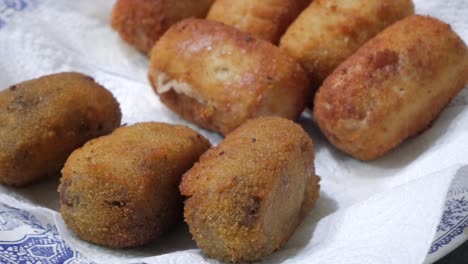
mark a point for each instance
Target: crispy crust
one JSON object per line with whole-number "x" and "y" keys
{"x": 142, "y": 22}
{"x": 248, "y": 195}
{"x": 45, "y": 119}
{"x": 329, "y": 31}
{"x": 266, "y": 20}
{"x": 225, "y": 76}
{"x": 392, "y": 88}
{"x": 121, "y": 191}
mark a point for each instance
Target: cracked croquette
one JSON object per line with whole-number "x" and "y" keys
{"x": 222, "y": 77}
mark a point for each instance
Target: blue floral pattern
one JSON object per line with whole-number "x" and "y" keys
{"x": 8, "y": 8}
{"x": 38, "y": 242}
{"x": 454, "y": 219}
{"x": 26, "y": 239}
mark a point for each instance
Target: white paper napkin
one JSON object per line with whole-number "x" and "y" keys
{"x": 385, "y": 211}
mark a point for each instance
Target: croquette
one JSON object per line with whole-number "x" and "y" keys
{"x": 218, "y": 77}
{"x": 142, "y": 22}
{"x": 264, "y": 19}
{"x": 247, "y": 195}
{"x": 392, "y": 88}
{"x": 43, "y": 120}
{"x": 121, "y": 190}
{"x": 327, "y": 32}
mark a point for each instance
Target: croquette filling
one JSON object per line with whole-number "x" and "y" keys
{"x": 166, "y": 84}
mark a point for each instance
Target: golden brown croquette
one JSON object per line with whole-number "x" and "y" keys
{"x": 392, "y": 88}
{"x": 266, "y": 19}
{"x": 247, "y": 195}
{"x": 121, "y": 191}
{"x": 329, "y": 31}
{"x": 142, "y": 22}
{"x": 221, "y": 77}
{"x": 43, "y": 120}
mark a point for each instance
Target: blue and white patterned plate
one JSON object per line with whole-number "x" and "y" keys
{"x": 27, "y": 237}
{"x": 24, "y": 239}
{"x": 453, "y": 227}
{"x": 8, "y": 8}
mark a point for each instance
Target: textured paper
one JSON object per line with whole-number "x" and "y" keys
{"x": 385, "y": 211}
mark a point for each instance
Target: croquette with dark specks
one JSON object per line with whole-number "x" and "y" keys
{"x": 43, "y": 120}
{"x": 247, "y": 195}
{"x": 121, "y": 190}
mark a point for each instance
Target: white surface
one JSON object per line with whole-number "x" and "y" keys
{"x": 385, "y": 211}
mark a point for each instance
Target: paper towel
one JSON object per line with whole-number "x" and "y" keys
{"x": 384, "y": 211}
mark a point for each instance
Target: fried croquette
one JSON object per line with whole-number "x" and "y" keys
{"x": 142, "y": 22}
{"x": 45, "y": 119}
{"x": 392, "y": 88}
{"x": 218, "y": 77}
{"x": 247, "y": 195}
{"x": 266, "y": 20}
{"x": 121, "y": 190}
{"x": 329, "y": 31}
